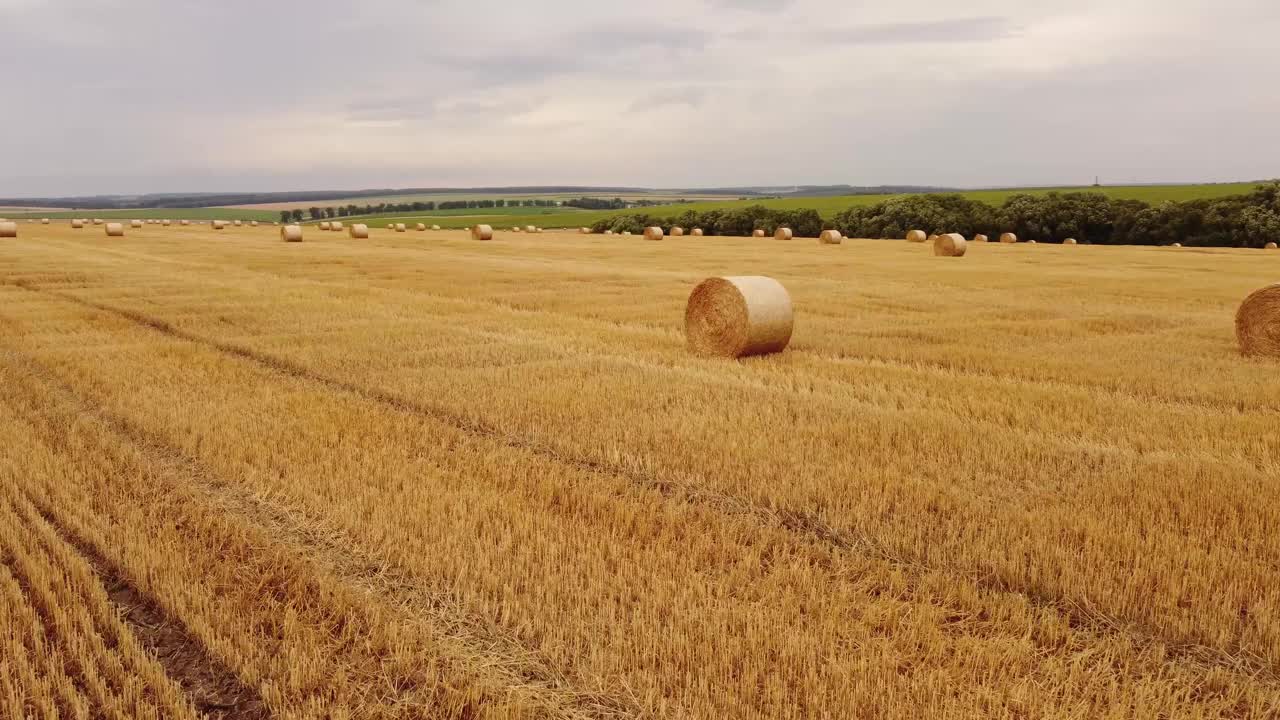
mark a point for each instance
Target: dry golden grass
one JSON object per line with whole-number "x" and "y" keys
{"x": 388, "y": 479}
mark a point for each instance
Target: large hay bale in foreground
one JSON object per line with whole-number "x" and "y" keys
{"x": 917, "y": 236}
{"x": 980, "y": 238}
{"x": 359, "y": 231}
{"x": 653, "y": 233}
{"x": 757, "y": 233}
{"x": 783, "y": 233}
{"x": 1008, "y": 238}
{"x": 677, "y": 231}
{"x": 1258, "y": 323}
{"x": 8, "y": 229}
{"x": 830, "y": 237}
{"x": 950, "y": 245}
{"x": 738, "y": 316}
{"x": 1069, "y": 241}
{"x": 697, "y": 232}
{"x": 77, "y": 224}
{"x": 481, "y": 232}
{"x": 115, "y": 230}
{"x": 291, "y": 233}
{"x": 135, "y": 223}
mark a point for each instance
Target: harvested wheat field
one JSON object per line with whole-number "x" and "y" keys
{"x": 387, "y": 478}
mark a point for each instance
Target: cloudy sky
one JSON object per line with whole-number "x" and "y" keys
{"x": 129, "y": 96}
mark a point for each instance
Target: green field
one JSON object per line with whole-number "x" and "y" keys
{"x": 149, "y": 213}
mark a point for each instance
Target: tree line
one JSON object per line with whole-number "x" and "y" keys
{"x": 328, "y": 213}
{"x": 1248, "y": 220}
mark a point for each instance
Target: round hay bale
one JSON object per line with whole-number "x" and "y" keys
{"x": 584, "y": 231}
{"x": 1177, "y": 245}
{"x": 184, "y": 222}
{"x": 237, "y": 223}
{"x": 537, "y": 230}
{"x": 1258, "y": 323}
{"x": 830, "y": 237}
{"x": 481, "y": 232}
{"x": 420, "y": 227}
{"x": 979, "y": 238}
{"x": 359, "y": 231}
{"x": 738, "y": 316}
{"x": 677, "y": 231}
{"x": 783, "y": 234}
{"x": 757, "y": 233}
{"x": 166, "y": 223}
{"x": 254, "y": 223}
{"x": 8, "y": 229}
{"x": 917, "y": 236}
{"x": 291, "y": 233}
{"x": 626, "y": 232}
{"x": 135, "y": 223}
{"x": 653, "y": 233}
{"x": 97, "y": 221}
{"x": 530, "y": 228}
{"x": 1008, "y": 238}
{"x": 1270, "y": 246}
{"x": 435, "y": 227}
{"x": 335, "y": 226}
{"x": 515, "y": 229}
{"x": 608, "y": 232}
{"x": 1031, "y": 242}
{"x": 44, "y": 221}
{"x": 950, "y": 245}
{"x": 325, "y": 225}
{"x": 391, "y": 226}
{"x": 697, "y": 232}
{"x": 400, "y": 227}
{"x": 1069, "y": 241}
{"x": 77, "y": 224}
{"x": 219, "y": 224}
{"x": 115, "y": 230}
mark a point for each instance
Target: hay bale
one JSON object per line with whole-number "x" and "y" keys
{"x": 135, "y": 223}
{"x": 917, "y": 236}
{"x": 219, "y": 224}
{"x": 979, "y": 238}
{"x": 237, "y": 223}
{"x": 435, "y": 227}
{"x": 1177, "y": 245}
{"x": 391, "y": 226}
{"x": 1008, "y": 238}
{"x": 97, "y": 221}
{"x": 77, "y": 224}
{"x": 254, "y": 223}
{"x": 44, "y": 221}
{"x": 165, "y": 223}
{"x": 420, "y": 227}
{"x": 677, "y": 231}
{"x": 1069, "y": 241}
{"x": 115, "y": 230}
{"x": 950, "y": 245}
{"x": 1270, "y": 246}
{"x": 1031, "y": 242}
{"x": 325, "y": 225}
{"x": 783, "y": 233}
{"x": 335, "y": 226}
{"x": 184, "y": 222}
{"x": 738, "y": 316}
{"x": 8, "y": 229}
{"x": 608, "y": 232}
{"x": 757, "y": 233}
{"x": 537, "y": 230}
{"x": 1258, "y": 323}
{"x": 653, "y": 233}
{"x": 291, "y": 233}
{"x": 530, "y": 228}
{"x": 481, "y": 232}
{"x": 584, "y": 231}
{"x": 626, "y": 232}
{"x": 830, "y": 237}
{"x": 359, "y": 231}
{"x": 697, "y": 232}
{"x": 516, "y": 229}
{"x": 400, "y": 227}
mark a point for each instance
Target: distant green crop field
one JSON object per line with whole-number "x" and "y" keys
{"x": 159, "y": 214}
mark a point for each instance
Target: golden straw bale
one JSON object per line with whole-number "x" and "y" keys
{"x": 1271, "y": 246}
{"x": 979, "y": 238}
{"x": 1258, "y": 323}
{"x": 291, "y": 233}
{"x": 783, "y": 233}
{"x": 1069, "y": 241}
{"x": 359, "y": 231}
{"x": 481, "y": 232}
{"x": 697, "y": 232}
{"x": 135, "y": 223}
{"x": 917, "y": 236}
{"x": 653, "y": 233}
{"x": 677, "y": 231}
{"x": 8, "y": 228}
{"x": 400, "y": 227}
{"x": 950, "y": 245}
{"x": 420, "y": 227}
{"x": 757, "y": 233}
{"x": 1008, "y": 238}
{"x": 738, "y": 316}
{"x": 77, "y": 224}
{"x": 325, "y": 225}
{"x": 115, "y": 230}
{"x": 830, "y": 237}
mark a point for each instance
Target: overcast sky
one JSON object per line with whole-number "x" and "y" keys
{"x": 130, "y": 96}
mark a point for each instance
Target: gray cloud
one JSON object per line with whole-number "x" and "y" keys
{"x": 154, "y": 95}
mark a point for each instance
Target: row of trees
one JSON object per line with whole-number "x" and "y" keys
{"x": 1250, "y": 220}
{"x": 328, "y": 213}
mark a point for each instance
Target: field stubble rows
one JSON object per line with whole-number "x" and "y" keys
{"x": 370, "y": 478}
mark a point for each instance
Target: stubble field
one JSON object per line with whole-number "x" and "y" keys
{"x": 420, "y": 476}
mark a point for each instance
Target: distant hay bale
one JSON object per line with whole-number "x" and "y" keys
{"x": 917, "y": 236}
{"x": 359, "y": 231}
{"x": 77, "y": 224}
{"x": 326, "y": 225}
{"x": 335, "y": 226}
{"x": 979, "y": 238}
{"x": 1270, "y": 246}
{"x": 530, "y": 228}
{"x": 237, "y": 223}
{"x": 1069, "y": 241}
{"x": 783, "y": 233}
{"x": 291, "y": 233}
{"x": 1258, "y": 323}
{"x": 8, "y": 229}
{"x": 166, "y": 223}
{"x": 44, "y": 221}
{"x": 97, "y": 221}
{"x": 516, "y": 229}
{"x": 184, "y": 222}
{"x": 608, "y": 232}
{"x": 1008, "y": 238}
{"x": 677, "y": 231}
{"x": 697, "y": 232}
{"x": 135, "y": 223}
{"x": 420, "y": 227}
{"x": 1031, "y": 242}
{"x": 219, "y": 224}
{"x": 481, "y": 232}
{"x": 626, "y": 232}
{"x": 435, "y": 227}
{"x": 391, "y": 226}
{"x": 757, "y": 233}
{"x": 950, "y": 245}
{"x": 584, "y": 231}
{"x": 1177, "y": 245}
{"x": 537, "y": 230}
{"x": 400, "y": 227}
{"x": 738, "y": 316}
{"x": 830, "y": 237}
{"x": 254, "y": 223}
{"x": 115, "y": 230}
{"x": 653, "y": 233}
